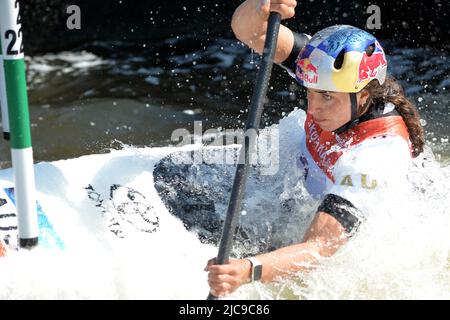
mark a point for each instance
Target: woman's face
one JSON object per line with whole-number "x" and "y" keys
{"x": 331, "y": 110}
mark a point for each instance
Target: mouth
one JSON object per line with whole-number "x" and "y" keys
{"x": 319, "y": 120}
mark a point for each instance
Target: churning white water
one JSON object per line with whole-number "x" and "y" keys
{"x": 401, "y": 253}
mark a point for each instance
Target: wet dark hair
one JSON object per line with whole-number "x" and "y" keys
{"x": 392, "y": 91}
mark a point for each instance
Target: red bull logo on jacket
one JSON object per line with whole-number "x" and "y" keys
{"x": 307, "y": 71}
{"x": 370, "y": 66}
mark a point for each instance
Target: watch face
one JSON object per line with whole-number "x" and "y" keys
{"x": 257, "y": 273}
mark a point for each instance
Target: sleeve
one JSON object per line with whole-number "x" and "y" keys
{"x": 342, "y": 210}
{"x": 300, "y": 41}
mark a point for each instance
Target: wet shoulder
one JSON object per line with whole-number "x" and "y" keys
{"x": 382, "y": 156}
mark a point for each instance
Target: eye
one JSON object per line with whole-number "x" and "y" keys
{"x": 326, "y": 96}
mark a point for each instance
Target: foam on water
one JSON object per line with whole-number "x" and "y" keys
{"x": 166, "y": 264}
{"x": 401, "y": 253}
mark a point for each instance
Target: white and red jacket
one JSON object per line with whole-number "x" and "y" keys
{"x": 354, "y": 168}
{"x": 357, "y": 168}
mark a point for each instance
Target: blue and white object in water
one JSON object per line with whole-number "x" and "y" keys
{"x": 9, "y": 229}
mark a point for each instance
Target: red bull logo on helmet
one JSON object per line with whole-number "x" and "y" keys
{"x": 370, "y": 66}
{"x": 307, "y": 71}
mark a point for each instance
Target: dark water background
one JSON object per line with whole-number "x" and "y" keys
{"x": 102, "y": 95}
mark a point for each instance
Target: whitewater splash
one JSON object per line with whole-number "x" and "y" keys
{"x": 402, "y": 253}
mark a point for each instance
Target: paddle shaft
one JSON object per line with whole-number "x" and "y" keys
{"x": 254, "y": 118}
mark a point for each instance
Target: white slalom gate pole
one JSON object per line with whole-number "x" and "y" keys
{"x": 19, "y": 121}
{"x": 3, "y": 99}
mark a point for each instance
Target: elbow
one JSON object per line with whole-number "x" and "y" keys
{"x": 235, "y": 25}
{"x": 239, "y": 25}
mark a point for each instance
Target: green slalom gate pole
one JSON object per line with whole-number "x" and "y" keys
{"x": 3, "y": 99}
{"x": 19, "y": 121}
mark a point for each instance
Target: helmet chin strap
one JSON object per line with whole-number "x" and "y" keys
{"x": 354, "y": 120}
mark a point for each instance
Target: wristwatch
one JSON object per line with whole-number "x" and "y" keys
{"x": 256, "y": 273}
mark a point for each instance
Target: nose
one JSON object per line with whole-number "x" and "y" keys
{"x": 313, "y": 104}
